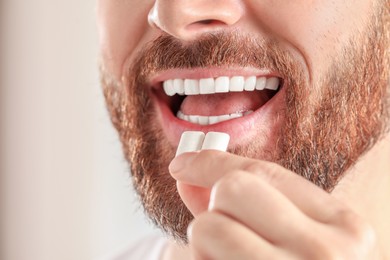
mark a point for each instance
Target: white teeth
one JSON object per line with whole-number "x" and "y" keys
{"x": 248, "y": 112}
{"x": 260, "y": 83}
{"x": 180, "y": 115}
{"x": 203, "y": 120}
{"x": 210, "y": 120}
{"x": 236, "y": 84}
{"x": 250, "y": 83}
{"x": 222, "y": 85}
{"x": 168, "y": 87}
{"x": 218, "y": 85}
{"x": 236, "y": 115}
{"x": 214, "y": 120}
{"x": 272, "y": 83}
{"x": 178, "y": 86}
{"x": 193, "y": 119}
{"x": 191, "y": 87}
{"x": 223, "y": 118}
{"x": 207, "y": 86}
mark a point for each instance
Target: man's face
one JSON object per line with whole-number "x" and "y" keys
{"x": 331, "y": 59}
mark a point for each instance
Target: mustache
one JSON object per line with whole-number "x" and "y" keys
{"x": 213, "y": 50}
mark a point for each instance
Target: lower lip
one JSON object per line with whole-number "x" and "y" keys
{"x": 241, "y": 130}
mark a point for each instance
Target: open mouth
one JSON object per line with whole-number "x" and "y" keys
{"x": 209, "y": 101}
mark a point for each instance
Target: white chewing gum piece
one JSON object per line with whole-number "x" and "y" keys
{"x": 216, "y": 141}
{"x": 190, "y": 141}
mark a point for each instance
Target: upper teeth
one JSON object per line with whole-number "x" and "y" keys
{"x": 218, "y": 85}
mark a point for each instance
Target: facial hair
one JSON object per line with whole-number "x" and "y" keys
{"x": 327, "y": 125}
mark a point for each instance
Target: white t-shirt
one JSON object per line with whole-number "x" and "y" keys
{"x": 148, "y": 248}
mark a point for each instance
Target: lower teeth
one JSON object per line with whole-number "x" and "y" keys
{"x": 210, "y": 120}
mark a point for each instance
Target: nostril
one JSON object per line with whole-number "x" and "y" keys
{"x": 207, "y": 24}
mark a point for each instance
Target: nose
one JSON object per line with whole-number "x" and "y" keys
{"x": 185, "y": 19}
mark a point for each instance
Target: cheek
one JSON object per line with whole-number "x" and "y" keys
{"x": 317, "y": 29}
{"x": 195, "y": 198}
{"x": 121, "y": 29}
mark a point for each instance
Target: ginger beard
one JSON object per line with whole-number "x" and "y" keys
{"x": 326, "y": 126}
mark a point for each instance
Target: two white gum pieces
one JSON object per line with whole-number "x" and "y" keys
{"x": 192, "y": 141}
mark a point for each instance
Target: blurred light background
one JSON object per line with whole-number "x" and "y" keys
{"x": 64, "y": 186}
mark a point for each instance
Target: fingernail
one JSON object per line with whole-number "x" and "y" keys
{"x": 180, "y": 162}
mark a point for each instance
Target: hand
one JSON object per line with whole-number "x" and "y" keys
{"x": 260, "y": 210}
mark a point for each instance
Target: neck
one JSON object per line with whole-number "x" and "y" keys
{"x": 365, "y": 188}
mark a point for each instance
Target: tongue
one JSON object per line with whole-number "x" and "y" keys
{"x": 223, "y": 103}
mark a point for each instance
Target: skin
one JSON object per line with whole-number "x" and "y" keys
{"x": 352, "y": 219}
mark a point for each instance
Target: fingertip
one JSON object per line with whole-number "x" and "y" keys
{"x": 180, "y": 162}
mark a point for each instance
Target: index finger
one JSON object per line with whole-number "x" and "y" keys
{"x": 206, "y": 167}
